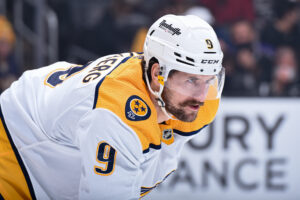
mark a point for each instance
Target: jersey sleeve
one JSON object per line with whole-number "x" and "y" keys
{"x": 111, "y": 157}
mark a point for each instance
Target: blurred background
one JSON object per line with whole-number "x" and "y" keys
{"x": 260, "y": 38}
{"x": 250, "y": 151}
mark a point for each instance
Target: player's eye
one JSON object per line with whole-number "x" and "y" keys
{"x": 192, "y": 81}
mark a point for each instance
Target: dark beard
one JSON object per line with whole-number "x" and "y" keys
{"x": 179, "y": 113}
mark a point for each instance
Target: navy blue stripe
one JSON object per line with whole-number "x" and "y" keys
{"x": 157, "y": 147}
{"x": 27, "y": 178}
{"x": 144, "y": 190}
{"x": 188, "y": 133}
{"x": 153, "y": 146}
{"x": 1, "y": 197}
{"x": 100, "y": 82}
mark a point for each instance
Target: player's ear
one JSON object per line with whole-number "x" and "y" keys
{"x": 154, "y": 75}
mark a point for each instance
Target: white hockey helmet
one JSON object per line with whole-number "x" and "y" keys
{"x": 187, "y": 44}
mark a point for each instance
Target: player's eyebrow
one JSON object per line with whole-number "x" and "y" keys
{"x": 197, "y": 78}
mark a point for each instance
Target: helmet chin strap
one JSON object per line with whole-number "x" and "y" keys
{"x": 162, "y": 104}
{"x": 159, "y": 99}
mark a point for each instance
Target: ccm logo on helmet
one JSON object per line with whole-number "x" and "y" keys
{"x": 210, "y": 61}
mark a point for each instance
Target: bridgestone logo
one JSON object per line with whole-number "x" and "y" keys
{"x": 169, "y": 28}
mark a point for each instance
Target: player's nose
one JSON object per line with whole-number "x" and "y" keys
{"x": 200, "y": 94}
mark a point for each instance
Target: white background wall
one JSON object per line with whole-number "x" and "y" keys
{"x": 251, "y": 151}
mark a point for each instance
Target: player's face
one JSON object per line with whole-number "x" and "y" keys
{"x": 184, "y": 94}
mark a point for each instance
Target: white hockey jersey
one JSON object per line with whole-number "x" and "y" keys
{"x": 88, "y": 132}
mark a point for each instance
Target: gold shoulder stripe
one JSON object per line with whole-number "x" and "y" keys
{"x": 117, "y": 88}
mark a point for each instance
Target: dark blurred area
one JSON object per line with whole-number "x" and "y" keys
{"x": 260, "y": 38}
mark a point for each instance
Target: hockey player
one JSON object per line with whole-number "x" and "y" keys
{"x": 113, "y": 128}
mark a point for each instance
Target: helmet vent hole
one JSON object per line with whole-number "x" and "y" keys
{"x": 177, "y": 54}
{"x": 201, "y": 70}
{"x": 210, "y": 52}
{"x": 215, "y": 70}
{"x": 181, "y": 61}
{"x": 190, "y": 59}
{"x": 177, "y": 45}
{"x": 152, "y": 32}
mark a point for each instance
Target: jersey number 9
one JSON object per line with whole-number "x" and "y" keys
{"x": 106, "y": 156}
